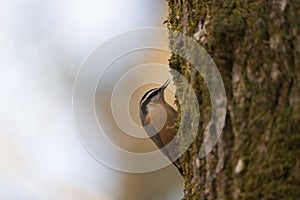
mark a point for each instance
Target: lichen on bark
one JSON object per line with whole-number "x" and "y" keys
{"x": 256, "y": 46}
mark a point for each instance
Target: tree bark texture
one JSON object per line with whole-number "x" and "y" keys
{"x": 256, "y": 46}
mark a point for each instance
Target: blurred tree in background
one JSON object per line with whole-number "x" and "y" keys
{"x": 256, "y": 46}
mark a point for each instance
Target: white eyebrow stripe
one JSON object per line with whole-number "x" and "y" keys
{"x": 146, "y": 97}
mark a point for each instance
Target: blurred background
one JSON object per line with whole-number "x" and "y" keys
{"x": 43, "y": 44}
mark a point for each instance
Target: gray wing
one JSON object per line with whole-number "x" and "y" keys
{"x": 154, "y": 136}
{"x": 156, "y": 139}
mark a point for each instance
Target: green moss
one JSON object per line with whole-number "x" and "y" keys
{"x": 264, "y": 124}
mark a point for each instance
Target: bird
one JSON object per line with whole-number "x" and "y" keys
{"x": 158, "y": 119}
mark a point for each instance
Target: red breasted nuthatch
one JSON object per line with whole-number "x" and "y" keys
{"x": 158, "y": 119}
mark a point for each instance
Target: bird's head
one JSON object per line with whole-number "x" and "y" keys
{"x": 154, "y": 95}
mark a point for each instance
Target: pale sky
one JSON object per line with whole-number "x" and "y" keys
{"x": 42, "y": 46}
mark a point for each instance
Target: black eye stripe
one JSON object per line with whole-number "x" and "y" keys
{"x": 148, "y": 95}
{"x": 146, "y": 98}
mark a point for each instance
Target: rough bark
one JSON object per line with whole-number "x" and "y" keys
{"x": 256, "y": 46}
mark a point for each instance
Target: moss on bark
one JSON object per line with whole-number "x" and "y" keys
{"x": 256, "y": 46}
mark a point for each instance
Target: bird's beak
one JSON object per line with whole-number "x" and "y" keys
{"x": 165, "y": 85}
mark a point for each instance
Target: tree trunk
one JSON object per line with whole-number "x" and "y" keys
{"x": 256, "y": 46}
